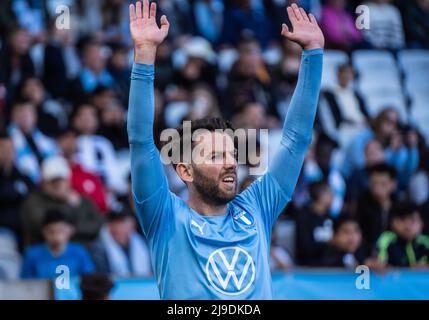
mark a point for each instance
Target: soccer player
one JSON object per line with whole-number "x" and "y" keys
{"x": 215, "y": 246}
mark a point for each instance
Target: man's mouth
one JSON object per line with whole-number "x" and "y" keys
{"x": 229, "y": 179}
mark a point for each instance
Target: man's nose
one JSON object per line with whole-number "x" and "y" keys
{"x": 230, "y": 161}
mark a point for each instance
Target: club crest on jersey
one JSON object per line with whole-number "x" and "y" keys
{"x": 244, "y": 218}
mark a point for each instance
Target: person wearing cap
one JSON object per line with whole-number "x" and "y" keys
{"x": 120, "y": 249}
{"x": 42, "y": 260}
{"x": 56, "y": 193}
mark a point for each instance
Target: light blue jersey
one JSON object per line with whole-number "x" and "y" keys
{"x": 216, "y": 257}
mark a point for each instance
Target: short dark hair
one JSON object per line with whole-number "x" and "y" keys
{"x": 382, "y": 168}
{"x": 20, "y": 102}
{"x": 55, "y": 216}
{"x": 344, "y": 66}
{"x": 119, "y": 215}
{"x": 209, "y": 123}
{"x": 95, "y": 286}
{"x": 4, "y": 135}
{"x": 66, "y": 131}
{"x": 403, "y": 209}
{"x": 342, "y": 219}
{"x": 315, "y": 189}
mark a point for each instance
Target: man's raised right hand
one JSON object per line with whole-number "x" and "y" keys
{"x": 146, "y": 34}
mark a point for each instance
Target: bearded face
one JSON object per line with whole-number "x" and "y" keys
{"x": 215, "y": 169}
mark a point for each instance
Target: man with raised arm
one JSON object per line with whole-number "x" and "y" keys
{"x": 215, "y": 246}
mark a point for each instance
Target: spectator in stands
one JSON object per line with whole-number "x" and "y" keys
{"x": 344, "y": 250}
{"x": 416, "y": 23}
{"x": 15, "y": 60}
{"x": 42, "y": 260}
{"x": 198, "y": 65}
{"x": 313, "y": 226}
{"x": 320, "y": 167}
{"x": 94, "y": 72}
{"x": 341, "y": 108}
{"x": 209, "y": 18}
{"x": 119, "y": 67}
{"x": 61, "y": 62}
{"x": 14, "y": 187}
{"x": 84, "y": 182}
{"x": 203, "y": 102}
{"x": 179, "y": 15}
{"x": 95, "y": 153}
{"x": 101, "y": 97}
{"x": 112, "y": 125}
{"x": 404, "y": 246}
{"x": 285, "y": 75}
{"x": 400, "y": 147}
{"x": 96, "y": 286}
{"x": 338, "y": 26}
{"x": 115, "y": 21}
{"x": 31, "y": 145}
{"x": 418, "y": 189}
{"x": 358, "y": 180}
{"x": 241, "y": 15}
{"x": 120, "y": 250}
{"x": 375, "y": 204}
{"x": 386, "y": 31}
{"x": 56, "y": 193}
{"x": 250, "y": 116}
{"x": 165, "y": 70}
{"x": 52, "y": 116}
{"x": 249, "y": 79}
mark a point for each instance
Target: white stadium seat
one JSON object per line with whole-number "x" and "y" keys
{"x": 384, "y": 78}
{"x": 413, "y": 59}
{"x": 379, "y": 98}
{"x": 372, "y": 61}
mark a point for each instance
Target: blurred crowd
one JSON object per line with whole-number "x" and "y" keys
{"x": 363, "y": 193}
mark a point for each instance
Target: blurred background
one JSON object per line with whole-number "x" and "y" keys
{"x": 363, "y": 193}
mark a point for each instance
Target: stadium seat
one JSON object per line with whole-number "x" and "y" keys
{"x": 416, "y": 81}
{"x": 413, "y": 60}
{"x": 379, "y": 98}
{"x": 332, "y": 59}
{"x": 383, "y": 78}
{"x": 370, "y": 60}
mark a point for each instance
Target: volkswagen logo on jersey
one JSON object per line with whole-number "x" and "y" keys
{"x": 230, "y": 270}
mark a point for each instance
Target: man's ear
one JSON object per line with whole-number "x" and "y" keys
{"x": 184, "y": 171}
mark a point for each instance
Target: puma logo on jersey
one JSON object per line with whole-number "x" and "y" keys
{"x": 193, "y": 223}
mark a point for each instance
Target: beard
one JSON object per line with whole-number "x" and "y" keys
{"x": 209, "y": 188}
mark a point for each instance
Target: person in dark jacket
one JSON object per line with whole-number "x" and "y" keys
{"x": 375, "y": 203}
{"x": 15, "y": 60}
{"x": 313, "y": 226}
{"x": 14, "y": 186}
{"x": 345, "y": 249}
